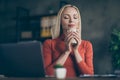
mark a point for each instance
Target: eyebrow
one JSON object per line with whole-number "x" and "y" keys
{"x": 73, "y": 14}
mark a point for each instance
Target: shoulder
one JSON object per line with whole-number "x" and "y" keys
{"x": 86, "y": 43}
{"x": 49, "y": 42}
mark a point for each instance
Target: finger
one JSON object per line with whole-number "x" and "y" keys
{"x": 68, "y": 36}
{"x": 76, "y": 35}
{"x": 68, "y": 43}
{"x": 68, "y": 40}
{"x": 77, "y": 38}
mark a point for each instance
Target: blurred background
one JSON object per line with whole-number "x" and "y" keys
{"x": 24, "y": 20}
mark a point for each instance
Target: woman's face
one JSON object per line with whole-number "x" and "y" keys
{"x": 69, "y": 18}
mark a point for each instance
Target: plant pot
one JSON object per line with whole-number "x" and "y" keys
{"x": 60, "y": 73}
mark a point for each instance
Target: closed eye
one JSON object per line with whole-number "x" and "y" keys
{"x": 75, "y": 16}
{"x": 66, "y": 17}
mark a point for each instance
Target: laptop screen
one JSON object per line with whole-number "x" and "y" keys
{"x": 22, "y": 59}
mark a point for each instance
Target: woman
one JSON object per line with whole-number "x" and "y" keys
{"x": 78, "y": 58}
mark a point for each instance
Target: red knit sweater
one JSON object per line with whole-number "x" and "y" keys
{"x": 52, "y": 49}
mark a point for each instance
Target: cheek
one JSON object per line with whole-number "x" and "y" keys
{"x": 77, "y": 23}
{"x": 64, "y": 23}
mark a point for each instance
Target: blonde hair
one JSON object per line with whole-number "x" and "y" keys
{"x": 55, "y": 31}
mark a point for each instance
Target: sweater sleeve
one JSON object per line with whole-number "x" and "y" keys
{"x": 86, "y": 65}
{"x": 47, "y": 55}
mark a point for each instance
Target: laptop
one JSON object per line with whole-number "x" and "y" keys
{"x": 23, "y": 59}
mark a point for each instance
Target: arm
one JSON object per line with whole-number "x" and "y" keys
{"x": 47, "y": 55}
{"x": 86, "y": 65}
{"x": 49, "y": 63}
{"x": 61, "y": 60}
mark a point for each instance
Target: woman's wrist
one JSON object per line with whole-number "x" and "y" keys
{"x": 76, "y": 51}
{"x": 78, "y": 56}
{"x": 67, "y": 52}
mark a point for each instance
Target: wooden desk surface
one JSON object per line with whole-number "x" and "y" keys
{"x": 90, "y": 78}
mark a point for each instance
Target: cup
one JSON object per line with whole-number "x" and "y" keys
{"x": 74, "y": 42}
{"x": 60, "y": 73}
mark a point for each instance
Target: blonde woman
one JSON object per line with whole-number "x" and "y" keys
{"x": 67, "y": 48}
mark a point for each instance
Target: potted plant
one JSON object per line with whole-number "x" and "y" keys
{"x": 60, "y": 71}
{"x": 115, "y": 49}
{"x": 58, "y": 66}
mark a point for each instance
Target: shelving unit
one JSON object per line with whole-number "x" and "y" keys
{"x": 37, "y": 27}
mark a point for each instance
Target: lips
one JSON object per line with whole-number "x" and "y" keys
{"x": 71, "y": 25}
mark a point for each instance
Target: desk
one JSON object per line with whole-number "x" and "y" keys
{"x": 91, "y": 78}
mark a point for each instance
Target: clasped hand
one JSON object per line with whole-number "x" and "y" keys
{"x": 68, "y": 41}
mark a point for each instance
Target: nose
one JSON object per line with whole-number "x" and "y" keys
{"x": 71, "y": 20}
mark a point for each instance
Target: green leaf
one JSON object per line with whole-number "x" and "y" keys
{"x": 58, "y": 66}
